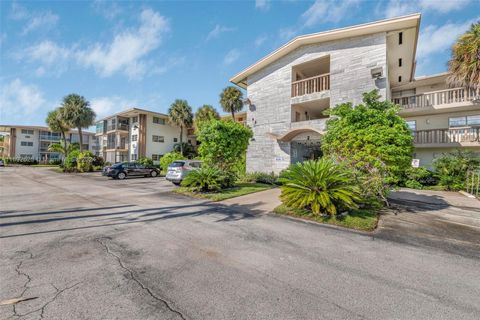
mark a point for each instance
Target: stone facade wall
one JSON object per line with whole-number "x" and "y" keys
{"x": 269, "y": 90}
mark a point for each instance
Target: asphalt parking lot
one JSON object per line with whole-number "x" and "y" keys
{"x": 87, "y": 247}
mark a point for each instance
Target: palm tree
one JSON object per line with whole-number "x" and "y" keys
{"x": 205, "y": 113}
{"x": 180, "y": 114}
{"x": 77, "y": 114}
{"x": 56, "y": 123}
{"x": 64, "y": 148}
{"x": 465, "y": 62}
{"x": 231, "y": 100}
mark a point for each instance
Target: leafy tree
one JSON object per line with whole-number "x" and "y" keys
{"x": 465, "y": 62}
{"x": 452, "y": 168}
{"x": 321, "y": 186}
{"x": 146, "y": 161}
{"x": 223, "y": 143}
{"x": 168, "y": 158}
{"x": 371, "y": 137}
{"x": 188, "y": 149}
{"x": 63, "y": 148}
{"x": 180, "y": 114}
{"x": 231, "y": 100}
{"x": 76, "y": 113}
{"x": 56, "y": 123}
{"x": 205, "y": 113}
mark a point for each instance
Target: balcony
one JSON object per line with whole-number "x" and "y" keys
{"x": 464, "y": 137}
{"x": 120, "y": 126}
{"x": 49, "y": 137}
{"x": 311, "y": 85}
{"x": 435, "y": 100}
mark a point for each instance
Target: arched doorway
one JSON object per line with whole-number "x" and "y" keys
{"x": 305, "y": 146}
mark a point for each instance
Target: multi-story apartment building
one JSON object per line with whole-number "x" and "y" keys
{"x": 135, "y": 133}
{"x": 33, "y": 141}
{"x": 289, "y": 90}
{"x": 240, "y": 117}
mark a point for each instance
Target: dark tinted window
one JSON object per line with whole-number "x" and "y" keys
{"x": 117, "y": 165}
{"x": 176, "y": 164}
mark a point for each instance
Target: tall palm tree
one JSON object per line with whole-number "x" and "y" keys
{"x": 465, "y": 62}
{"x": 56, "y": 123}
{"x": 64, "y": 149}
{"x": 205, "y": 113}
{"x": 180, "y": 114}
{"x": 77, "y": 114}
{"x": 231, "y": 100}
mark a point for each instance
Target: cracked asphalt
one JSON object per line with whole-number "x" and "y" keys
{"x": 85, "y": 247}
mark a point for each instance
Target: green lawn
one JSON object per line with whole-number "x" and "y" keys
{"x": 359, "y": 219}
{"x": 239, "y": 190}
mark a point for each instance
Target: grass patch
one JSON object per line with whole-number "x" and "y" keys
{"x": 44, "y": 165}
{"x": 364, "y": 220}
{"x": 240, "y": 189}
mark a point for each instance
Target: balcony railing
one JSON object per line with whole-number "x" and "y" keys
{"x": 445, "y": 136}
{"x": 49, "y": 137}
{"x": 442, "y": 97}
{"x": 120, "y": 126}
{"x": 311, "y": 85}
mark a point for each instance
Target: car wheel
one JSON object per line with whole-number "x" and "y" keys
{"x": 121, "y": 175}
{"x": 153, "y": 174}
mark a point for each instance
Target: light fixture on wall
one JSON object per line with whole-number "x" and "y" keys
{"x": 376, "y": 72}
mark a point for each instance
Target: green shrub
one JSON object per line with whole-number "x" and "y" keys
{"x": 55, "y": 162}
{"x": 260, "y": 177}
{"x": 413, "y": 184}
{"x": 452, "y": 168}
{"x": 188, "y": 149}
{"x": 85, "y": 161}
{"x": 168, "y": 158}
{"x": 417, "y": 178}
{"x": 145, "y": 161}
{"x": 321, "y": 186}
{"x": 98, "y": 161}
{"x": 70, "y": 163}
{"x": 21, "y": 161}
{"x": 204, "y": 179}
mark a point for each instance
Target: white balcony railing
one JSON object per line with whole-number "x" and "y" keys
{"x": 436, "y": 98}
{"x": 311, "y": 85}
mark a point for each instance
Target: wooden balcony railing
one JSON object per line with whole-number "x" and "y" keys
{"x": 442, "y": 97}
{"x": 311, "y": 85}
{"x": 440, "y": 136}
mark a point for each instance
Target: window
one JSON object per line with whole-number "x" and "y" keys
{"x": 400, "y": 38}
{"x": 412, "y": 125}
{"x": 134, "y": 157}
{"x": 25, "y": 131}
{"x": 156, "y": 157}
{"x": 158, "y": 139}
{"x": 399, "y": 78}
{"x": 175, "y": 139}
{"x": 400, "y": 62}
{"x": 158, "y": 120}
{"x": 26, "y": 144}
{"x": 473, "y": 120}
{"x": 457, "y": 122}
{"x": 134, "y": 119}
{"x": 26, "y": 156}
{"x": 134, "y": 137}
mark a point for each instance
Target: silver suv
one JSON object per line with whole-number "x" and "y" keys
{"x": 178, "y": 169}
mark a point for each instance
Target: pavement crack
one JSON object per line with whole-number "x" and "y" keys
{"x": 57, "y": 293}
{"x": 21, "y": 273}
{"x": 134, "y": 278}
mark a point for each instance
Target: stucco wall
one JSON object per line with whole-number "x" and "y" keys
{"x": 167, "y": 131}
{"x": 33, "y": 150}
{"x": 270, "y": 92}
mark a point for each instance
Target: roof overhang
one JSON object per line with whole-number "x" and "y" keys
{"x": 386, "y": 25}
{"x": 133, "y": 112}
{"x": 424, "y": 81}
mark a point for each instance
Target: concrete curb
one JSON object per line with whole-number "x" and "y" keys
{"x": 466, "y": 194}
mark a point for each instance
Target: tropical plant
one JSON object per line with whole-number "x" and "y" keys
{"x": 204, "y": 179}
{"x": 464, "y": 66}
{"x": 223, "y": 143}
{"x": 188, "y": 149}
{"x": 260, "y": 177}
{"x": 98, "y": 161}
{"x": 231, "y": 100}
{"x": 76, "y": 113}
{"x": 321, "y": 186}
{"x": 145, "y": 161}
{"x": 370, "y": 135}
{"x": 63, "y": 148}
{"x": 452, "y": 168}
{"x": 180, "y": 115}
{"x": 70, "y": 162}
{"x": 56, "y": 123}
{"x": 85, "y": 161}
{"x": 204, "y": 114}
{"x": 168, "y": 158}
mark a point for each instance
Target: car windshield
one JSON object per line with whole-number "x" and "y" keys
{"x": 177, "y": 164}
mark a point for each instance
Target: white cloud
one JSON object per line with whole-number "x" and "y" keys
{"x": 260, "y": 40}
{"x": 262, "y": 4}
{"x": 217, "y": 31}
{"x": 18, "y": 98}
{"x": 434, "y": 39}
{"x": 231, "y": 56}
{"x": 125, "y": 52}
{"x": 108, "y": 9}
{"x": 47, "y": 52}
{"x": 104, "y": 106}
{"x": 34, "y": 21}
{"x": 398, "y": 7}
{"x": 328, "y": 11}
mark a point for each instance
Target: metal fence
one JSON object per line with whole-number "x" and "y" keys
{"x": 473, "y": 183}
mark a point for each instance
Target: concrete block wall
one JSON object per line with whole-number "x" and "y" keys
{"x": 270, "y": 92}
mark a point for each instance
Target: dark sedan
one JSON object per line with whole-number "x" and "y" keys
{"x": 130, "y": 169}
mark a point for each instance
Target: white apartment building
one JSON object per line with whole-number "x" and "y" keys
{"x": 289, "y": 89}
{"x": 33, "y": 142}
{"x": 135, "y": 133}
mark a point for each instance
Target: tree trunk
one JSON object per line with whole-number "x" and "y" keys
{"x": 181, "y": 140}
{"x": 65, "y": 147}
{"x": 233, "y": 115}
{"x": 81, "y": 138}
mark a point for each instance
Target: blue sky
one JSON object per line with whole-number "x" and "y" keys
{"x": 146, "y": 54}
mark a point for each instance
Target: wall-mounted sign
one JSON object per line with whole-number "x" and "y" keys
{"x": 415, "y": 163}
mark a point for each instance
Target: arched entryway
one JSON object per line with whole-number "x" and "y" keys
{"x": 305, "y": 144}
